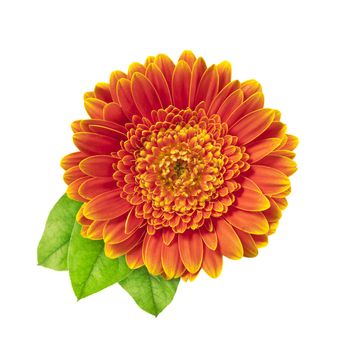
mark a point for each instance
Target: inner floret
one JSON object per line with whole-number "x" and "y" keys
{"x": 180, "y": 168}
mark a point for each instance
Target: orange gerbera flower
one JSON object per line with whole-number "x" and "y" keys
{"x": 179, "y": 166}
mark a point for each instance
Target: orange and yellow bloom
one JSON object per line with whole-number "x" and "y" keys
{"x": 179, "y": 166}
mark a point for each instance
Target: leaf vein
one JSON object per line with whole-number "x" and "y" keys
{"x": 90, "y": 272}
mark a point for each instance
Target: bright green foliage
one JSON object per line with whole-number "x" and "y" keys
{"x": 151, "y": 293}
{"x": 89, "y": 269}
{"x": 53, "y": 246}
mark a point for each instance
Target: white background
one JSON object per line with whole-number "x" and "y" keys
{"x": 295, "y": 294}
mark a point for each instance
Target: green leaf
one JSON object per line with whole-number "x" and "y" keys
{"x": 53, "y": 246}
{"x": 89, "y": 269}
{"x": 151, "y": 293}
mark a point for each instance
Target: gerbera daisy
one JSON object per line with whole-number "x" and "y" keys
{"x": 179, "y": 166}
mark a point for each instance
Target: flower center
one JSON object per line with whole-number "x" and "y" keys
{"x": 180, "y": 167}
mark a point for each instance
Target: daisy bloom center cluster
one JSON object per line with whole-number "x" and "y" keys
{"x": 179, "y": 166}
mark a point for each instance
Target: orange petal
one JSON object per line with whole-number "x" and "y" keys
{"x": 261, "y": 148}
{"x": 166, "y": 65}
{"x": 191, "y": 250}
{"x": 189, "y": 57}
{"x": 198, "y": 70}
{"x": 113, "y": 80}
{"x": 149, "y": 60}
{"x": 283, "y": 142}
{"x": 230, "y": 104}
{"x": 95, "y": 230}
{"x": 72, "y": 174}
{"x": 102, "y": 92}
{"x": 72, "y": 159}
{"x": 144, "y": 244}
{"x": 283, "y": 194}
{"x": 132, "y": 222}
{"x": 292, "y": 143}
{"x": 76, "y": 125}
{"x": 252, "y": 125}
{"x": 144, "y": 94}
{"x": 106, "y": 206}
{"x": 89, "y": 94}
{"x": 98, "y": 166}
{"x": 94, "y": 107}
{"x": 171, "y": 261}
{"x": 91, "y": 124}
{"x": 125, "y": 98}
{"x": 114, "y": 231}
{"x": 81, "y": 219}
{"x": 168, "y": 235}
{"x": 83, "y": 230}
{"x": 253, "y": 103}
{"x": 278, "y": 115}
{"x": 136, "y": 67}
{"x": 247, "y": 183}
{"x": 210, "y": 239}
{"x": 93, "y": 187}
{"x": 250, "y": 200}
{"x": 284, "y": 164}
{"x": 247, "y": 221}
{"x": 152, "y": 254}
{"x": 250, "y": 249}
{"x": 224, "y": 71}
{"x": 150, "y": 229}
{"x": 229, "y": 243}
{"x": 276, "y": 130}
{"x": 114, "y": 113}
{"x": 208, "y": 225}
{"x": 92, "y": 143}
{"x": 156, "y": 77}
{"x": 222, "y": 95}
{"x": 250, "y": 87}
{"x": 274, "y": 213}
{"x": 261, "y": 240}
{"x": 73, "y": 189}
{"x": 116, "y": 250}
{"x": 181, "y": 84}
{"x": 283, "y": 153}
{"x": 281, "y": 202}
{"x": 117, "y": 133}
{"x": 273, "y": 227}
{"x": 208, "y": 86}
{"x": 134, "y": 257}
{"x": 212, "y": 262}
{"x": 270, "y": 180}
{"x": 187, "y": 276}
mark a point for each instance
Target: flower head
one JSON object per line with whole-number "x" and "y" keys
{"x": 179, "y": 166}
